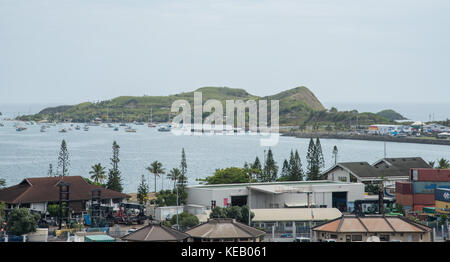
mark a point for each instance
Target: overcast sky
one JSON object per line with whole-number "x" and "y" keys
{"x": 379, "y": 51}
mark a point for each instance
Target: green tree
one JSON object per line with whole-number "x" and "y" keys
{"x": 2, "y": 183}
{"x": 182, "y": 180}
{"x": 63, "y": 159}
{"x": 218, "y": 212}
{"x": 2, "y": 212}
{"x": 114, "y": 179}
{"x": 432, "y": 163}
{"x": 295, "y": 167}
{"x": 312, "y": 161}
{"x": 253, "y": 174}
{"x": 185, "y": 220}
{"x": 285, "y": 171}
{"x": 53, "y": 210}
{"x": 244, "y": 210}
{"x": 21, "y": 221}
{"x": 166, "y": 198}
{"x": 228, "y": 175}
{"x": 315, "y": 159}
{"x": 235, "y": 212}
{"x": 256, "y": 166}
{"x": 443, "y": 164}
{"x": 142, "y": 192}
{"x": 156, "y": 169}
{"x": 319, "y": 155}
{"x": 174, "y": 175}
{"x": 270, "y": 171}
{"x": 98, "y": 173}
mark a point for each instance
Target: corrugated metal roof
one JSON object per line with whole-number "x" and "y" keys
{"x": 295, "y": 214}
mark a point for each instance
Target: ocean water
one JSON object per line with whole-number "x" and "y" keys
{"x": 29, "y": 153}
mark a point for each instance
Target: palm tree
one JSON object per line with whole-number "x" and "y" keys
{"x": 432, "y": 163}
{"x": 98, "y": 173}
{"x": 2, "y": 182}
{"x": 443, "y": 163}
{"x": 174, "y": 175}
{"x": 156, "y": 169}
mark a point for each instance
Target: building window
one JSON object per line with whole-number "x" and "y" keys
{"x": 348, "y": 238}
{"x": 356, "y": 237}
{"x": 334, "y": 237}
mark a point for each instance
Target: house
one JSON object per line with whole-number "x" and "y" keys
{"x": 388, "y": 170}
{"x": 361, "y": 229}
{"x": 156, "y": 232}
{"x": 37, "y": 193}
{"x": 224, "y": 230}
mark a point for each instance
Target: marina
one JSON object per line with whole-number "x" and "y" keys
{"x": 29, "y": 152}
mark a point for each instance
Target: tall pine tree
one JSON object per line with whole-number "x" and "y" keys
{"x": 142, "y": 192}
{"x": 63, "y": 159}
{"x": 182, "y": 180}
{"x": 270, "y": 171}
{"x": 285, "y": 171}
{"x": 256, "y": 166}
{"x": 315, "y": 160}
{"x": 319, "y": 155}
{"x": 296, "y": 168}
{"x": 114, "y": 178}
{"x": 312, "y": 161}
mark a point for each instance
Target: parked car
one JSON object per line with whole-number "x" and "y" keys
{"x": 302, "y": 239}
{"x": 286, "y": 235}
{"x": 329, "y": 240}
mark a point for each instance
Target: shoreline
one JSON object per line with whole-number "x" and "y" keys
{"x": 368, "y": 138}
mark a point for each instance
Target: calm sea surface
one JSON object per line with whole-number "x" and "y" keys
{"x": 29, "y": 153}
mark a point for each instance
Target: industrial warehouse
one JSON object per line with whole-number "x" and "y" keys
{"x": 323, "y": 194}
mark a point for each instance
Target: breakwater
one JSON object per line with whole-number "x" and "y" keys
{"x": 368, "y": 137}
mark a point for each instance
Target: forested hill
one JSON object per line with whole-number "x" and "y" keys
{"x": 297, "y": 106}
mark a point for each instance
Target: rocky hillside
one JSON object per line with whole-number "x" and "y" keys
{"x": 295, "y": 105}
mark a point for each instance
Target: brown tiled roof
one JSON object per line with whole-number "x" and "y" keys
{"x": 347, "y": 224}
{"x": 46, "y": 189}
{"x": 156, "y": 233}
{"x": 221, "y": 228}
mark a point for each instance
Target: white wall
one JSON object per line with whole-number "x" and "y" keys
{"x": 321, "y": 195}
{"x": 162, "y": 212}
{"x": 339, "y": 173}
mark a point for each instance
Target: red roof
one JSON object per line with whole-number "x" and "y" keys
{"x": 46, "y": 189}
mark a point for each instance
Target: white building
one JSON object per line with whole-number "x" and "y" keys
{"x": 323, "y": 194}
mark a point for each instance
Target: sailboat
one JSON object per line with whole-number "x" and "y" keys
{"x": 165, "y": 128}
{"x": 130, "y": 129}
{"x": 150, "y": 123}
{"x": 122, "y": 124}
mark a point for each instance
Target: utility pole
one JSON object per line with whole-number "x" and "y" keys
{"x": 178, "y": 225}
